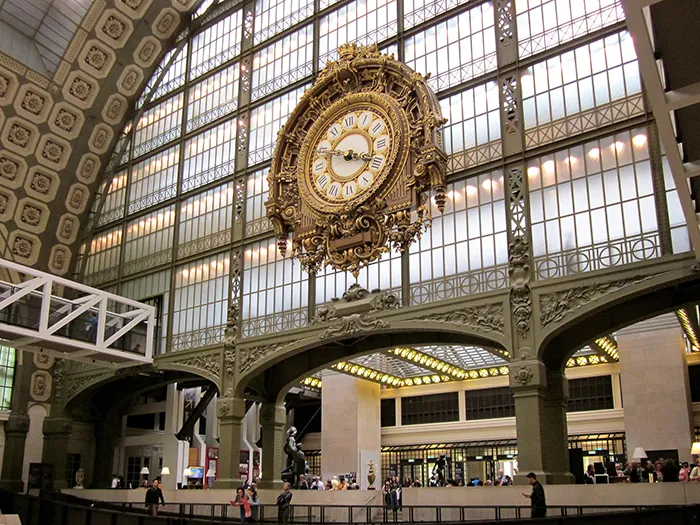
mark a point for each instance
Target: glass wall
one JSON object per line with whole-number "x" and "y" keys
{"x": 187, "y": 198}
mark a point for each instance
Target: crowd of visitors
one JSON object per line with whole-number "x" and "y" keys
{"x": 662, "y": 470}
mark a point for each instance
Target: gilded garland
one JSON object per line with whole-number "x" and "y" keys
{"x": 355, "y": 161}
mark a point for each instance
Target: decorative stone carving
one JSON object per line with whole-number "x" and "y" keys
{"x": 33, "y": 103}
{"x": 130, "y": 80}
{"x": 42, "y": 184}
{"x": 230, "y": 339}
{"x": 20, "y": 136}
{"x": 100, "y": 139}
{"x": 114, "y": 28}
{"x": 66, "y": 120}
{"x": 43, "y": 360}
{"x": 32, "y": 215}
{"x": 207, "y": 364}
{"x": 558, "y": 305}
{"x": 523, "y": 375}
{"x": 356, "y": 300}
{"x": 486, "y": 318}
{"x": 147, "y": 51}
{"x": 354, "y": 323}
{"x": 67, "y": 230}
{"x": 59, "y": 259}
{"x": 133, "y": 8}
{"x": 88, "y": 168}
{"x": 8, "y": 203}
{"x": 520, "y": 297}
{"x": 59, "y": 373}
{"x": 76, "y": 384}
{"x": 53, "y": 152}
{"x": 96, "y": 59}
{"x": 114, "y": 109}
{"x": 80, "y": 89}
{"x": 166, "y": 23}
{"x": 41, "y": 385}
{"x": 183, "y": 5}
{"x": 25, "y": 247}
{"x": 8, "y": 86}
{"x": 77, "y": 198}
{"x": 13, "y": 169}
{"x": 253, "y": 354}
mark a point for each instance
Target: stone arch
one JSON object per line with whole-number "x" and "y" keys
{"x": 280, "y": 366}
{"x": 572, "y": 317}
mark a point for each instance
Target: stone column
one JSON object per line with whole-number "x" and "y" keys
{"x": 212, "y": 430}
{"x": 57, "y": 431}
{"x": 655, "y": 391}
{"x": 540, "y": 416}
{"x": 16, "y": 428}
{"x": 107, "y": 438}
{"x": 230, "y": 412}
{"x": 273, "y": 418}
{"x": 172, "y": 447}
{"x": 351, "y": 431}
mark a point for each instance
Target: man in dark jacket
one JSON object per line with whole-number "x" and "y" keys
{"x": 537, "y": 500}
{"x": 284, "y": 501}
{"x": 153, "y": 496}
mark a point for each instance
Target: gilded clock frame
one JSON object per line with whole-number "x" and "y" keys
{"x": 393, "y": 213}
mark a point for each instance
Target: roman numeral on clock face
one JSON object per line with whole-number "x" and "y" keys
{"x": 365, "y": 119}
{"x": 365, "y": 179}
{"x": 381, "y": 143}
{"x": 334, "y": 189}
{"x": 349, "y": 189}
{"x": 376, "y": 162}
{"x": 319, "y": 166}
{"x": 323, "y": 181}
{"x": 334, "y": 131}
{"x": 376, "y": 127}
{"x": 349, "y": 121}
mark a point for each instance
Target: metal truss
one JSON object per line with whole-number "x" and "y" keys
{"x": 663, "y": 104}
{"x": 606, "y": 347}
{"x": 96, "y": 327}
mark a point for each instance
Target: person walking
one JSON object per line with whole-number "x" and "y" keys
{"x": 284, "y": 501}
{"x": 153, "y": 496}
{"x": 537, "y": 499}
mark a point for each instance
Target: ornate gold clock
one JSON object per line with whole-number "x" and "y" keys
{"x": 355, "y": 162}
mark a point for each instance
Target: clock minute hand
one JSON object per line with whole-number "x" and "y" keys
{"x": 333, "y": 152}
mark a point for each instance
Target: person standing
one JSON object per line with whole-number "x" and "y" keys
{"x": 254, "y": 502}
{"x": 284, "y": 501}
{"x": 243, "y": 504}
{"x": 153, "y": 496}
{"x": 537, "y": 499}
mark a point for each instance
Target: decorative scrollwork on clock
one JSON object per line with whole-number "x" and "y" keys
{"x": 355, "y": 162}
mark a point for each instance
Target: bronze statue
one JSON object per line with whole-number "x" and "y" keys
{"x": 296, "y": 459}
{"x": 439, "y": 469}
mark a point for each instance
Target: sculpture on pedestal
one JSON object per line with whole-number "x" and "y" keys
{"x": 371, "y": 476}
{"x": 439, "y": 470}
{"x": 296, "y": 459}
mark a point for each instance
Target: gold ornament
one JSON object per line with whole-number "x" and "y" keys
{"x": 355, "y": 161}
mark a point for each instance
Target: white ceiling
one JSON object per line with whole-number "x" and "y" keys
{"x": 37, "y": 32}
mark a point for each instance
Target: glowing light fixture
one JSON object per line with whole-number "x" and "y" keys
{"x": 427, "y": 361}
{"x": 594, "y": 153}
{"x": 639, "y": 140}
{"x": 609, "y": 346}
{"x": 689, "y": 329}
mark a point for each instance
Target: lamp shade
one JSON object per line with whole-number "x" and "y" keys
{"x": 165, "y": 471}
{"x": 695, "y": 449}
{"x": 145, "y": 471}
{"x": 639, "y": 453}
{"x": 211, "y": 473}
{"x": 187, "y": 472}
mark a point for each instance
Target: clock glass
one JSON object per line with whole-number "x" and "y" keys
{"x": 350, "y": 155}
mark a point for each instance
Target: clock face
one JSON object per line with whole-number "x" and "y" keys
{"x": 350, "y": 155}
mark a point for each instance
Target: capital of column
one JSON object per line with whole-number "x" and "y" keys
{"x": 273, "y": 415}
{"x": 527, "y": 374}
{"x": 57, "y": 427}
{"x": 17, "y": 424}
{"x": 230, "y": 410}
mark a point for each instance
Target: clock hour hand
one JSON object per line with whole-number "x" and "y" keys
{"x": 332, "y": 152}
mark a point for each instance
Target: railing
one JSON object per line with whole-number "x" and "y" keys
{"x": 73, "y": 511}
{"x": 82, "y": 322}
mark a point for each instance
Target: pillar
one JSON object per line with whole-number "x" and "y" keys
{"x": 16, "y": 428}
{"x": 655, "y": 392}
{"x": 57, "y": 432}
{"x": 212, "y": 430}
{"x": 351, "y": 431}
{"x": 273, "y": 418}
{"x": 230, "y": 412}
{"x": 173, "y": 449}
{"x": 107, "y": 440}
{"x": 541, "y": 397}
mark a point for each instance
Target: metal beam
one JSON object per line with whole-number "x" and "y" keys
{"x": 427, "y": 361}
{"x": 689, "y": 323}
{"x": 188, "y": 426}
{"x": 683, "y": 97}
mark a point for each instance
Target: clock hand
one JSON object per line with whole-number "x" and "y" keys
{"x": 332, "y": 152}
